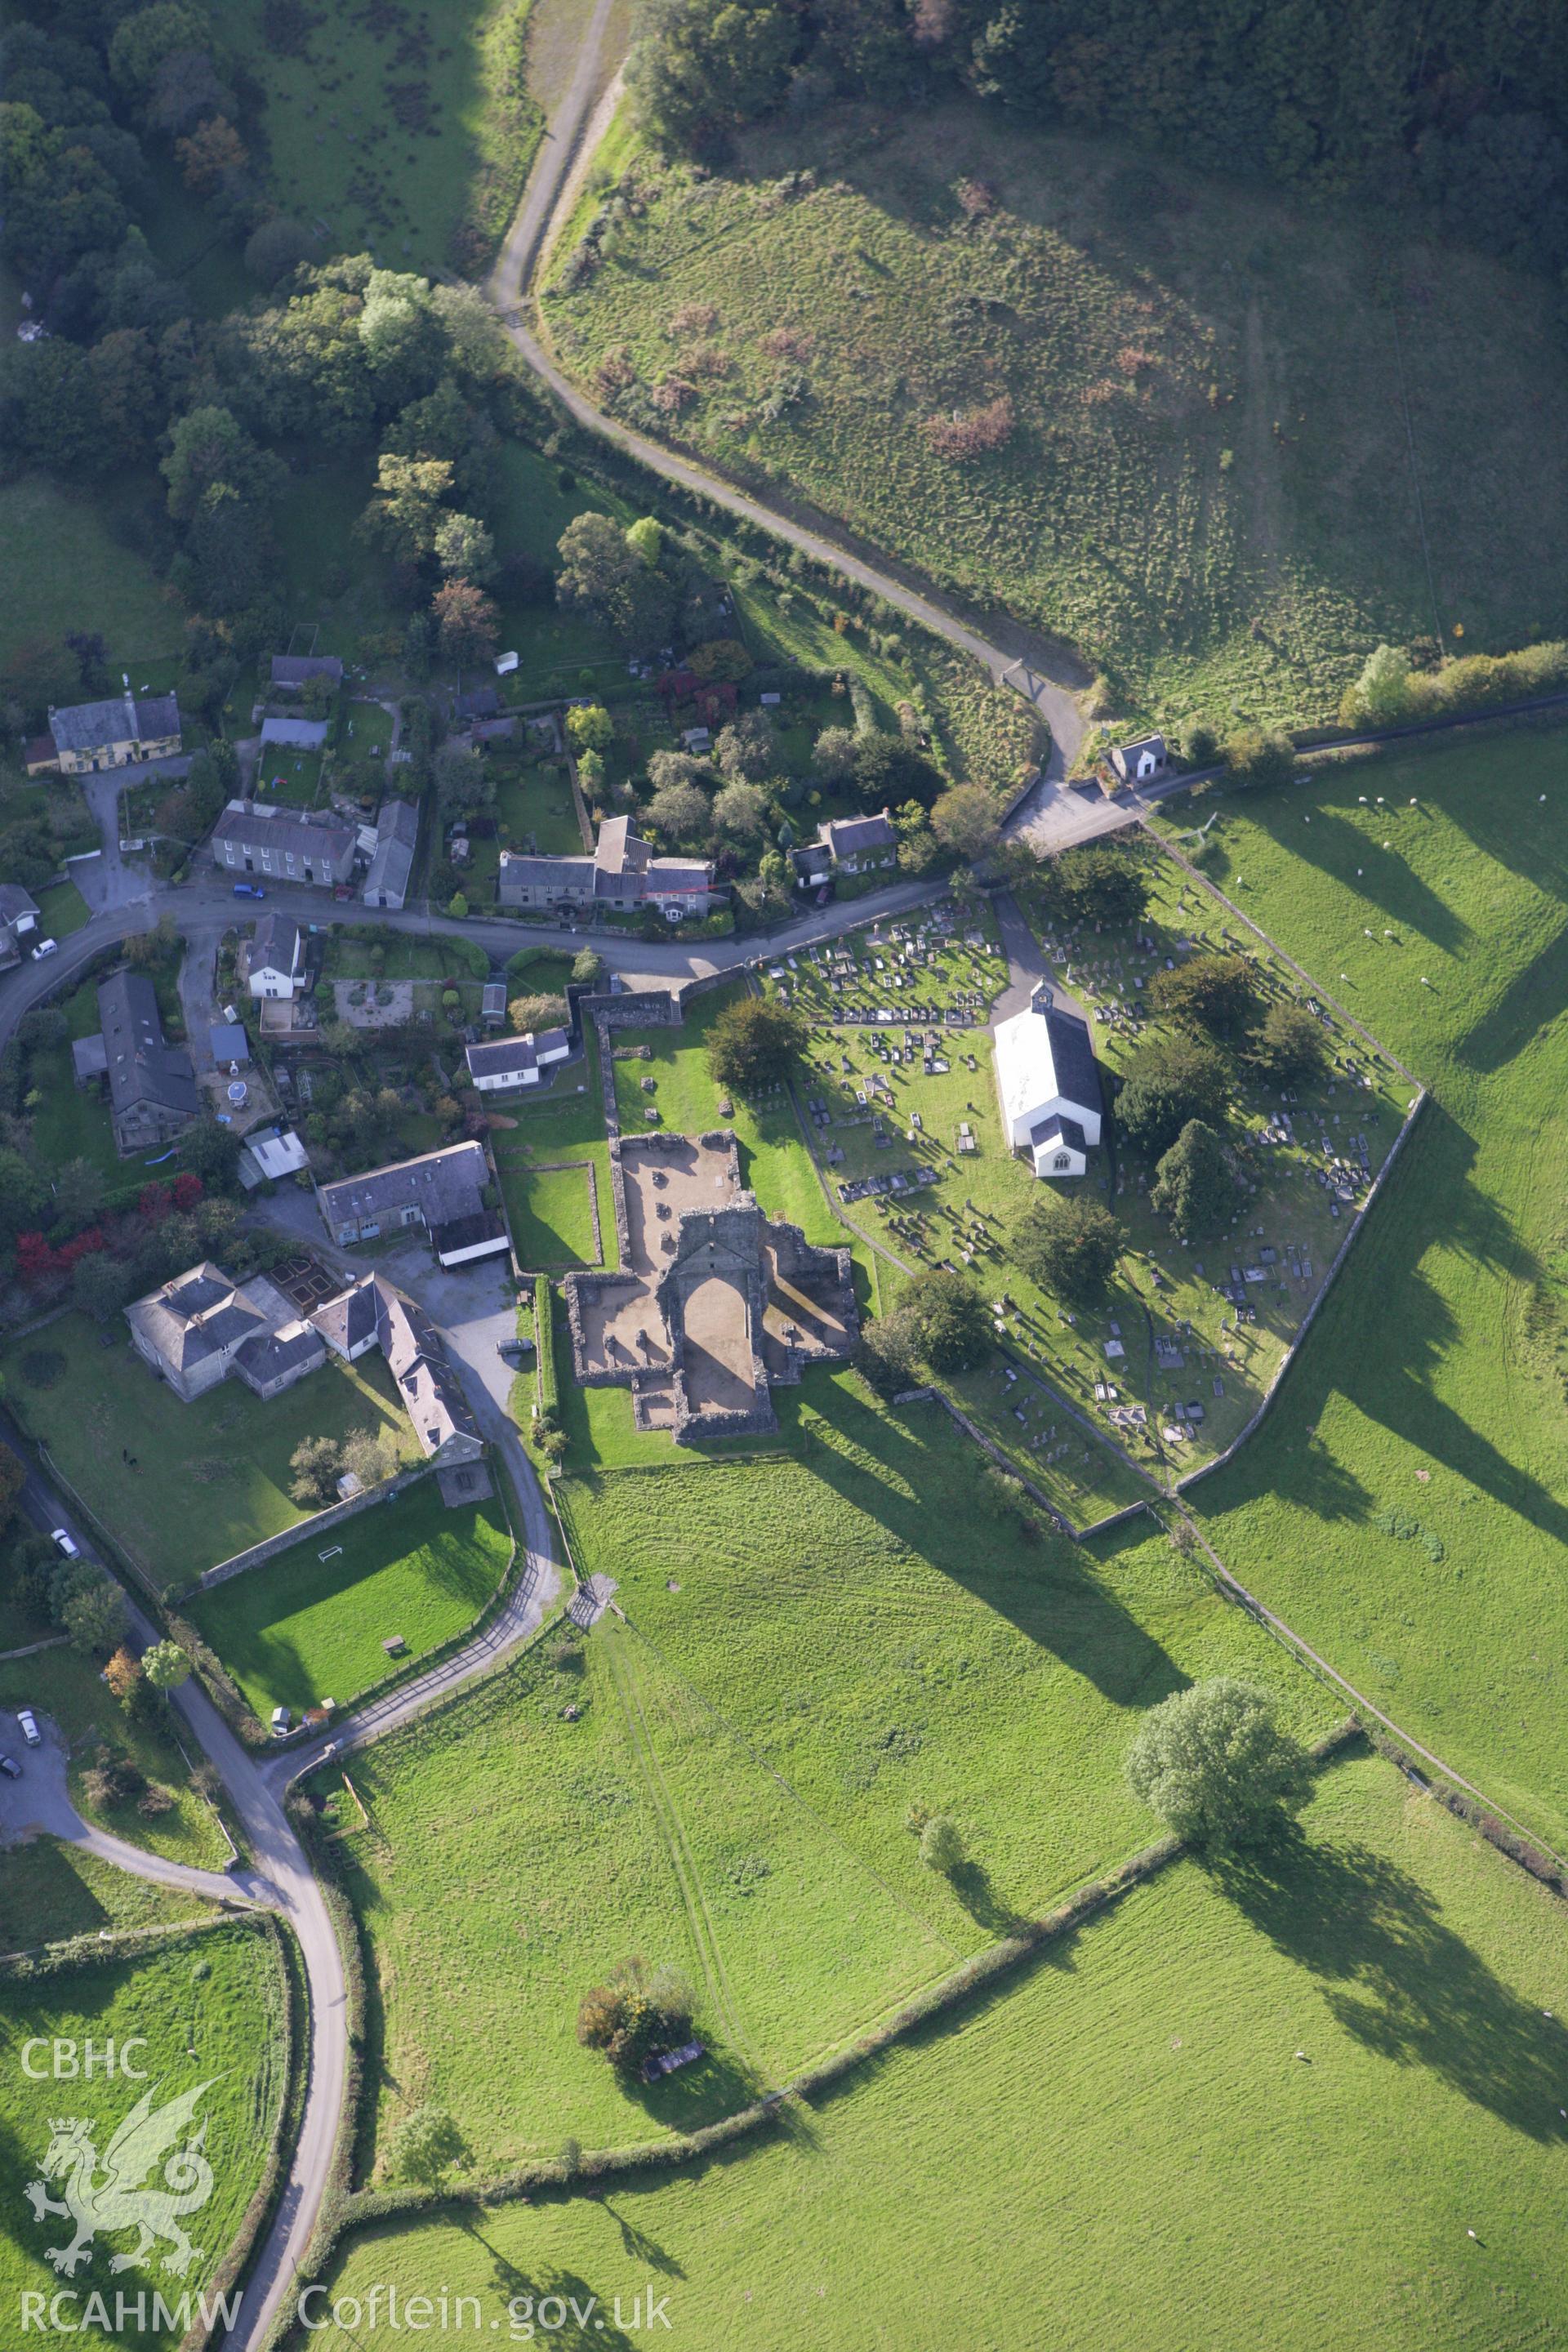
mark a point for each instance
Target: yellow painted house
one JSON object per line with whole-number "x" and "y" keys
{"x": 89, "y": 736}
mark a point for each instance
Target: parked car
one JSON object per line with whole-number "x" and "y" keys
{"x": 43, "y": 948}
{"x": 248, "y": 890}
{"x": 9, "y": 1766}
{"x": 65, "y": 1541}
{"x": 30, "y": 1722}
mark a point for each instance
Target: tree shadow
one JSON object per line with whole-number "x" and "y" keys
{"x": 584, "y": 2319}
{"x": 1532, "y": 1001}
{"x": 971, "y": 1884}
{"x": 1052, "y": 1596}
{"x": 638, "y": 2245}
{"x": 1400, "y": 1981}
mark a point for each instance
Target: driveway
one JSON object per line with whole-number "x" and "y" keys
{"x": 111, "y": 881}
{"x": 40, "y": 1805}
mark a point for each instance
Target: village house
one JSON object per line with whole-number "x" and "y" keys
{"x": 88, "y": 736}
{"x": 275, "y": 958}
{"x": 18, "y": 923}
{"x": 202, "y": 1328}
{"x": 292, "y": 735}
{"x": 623, "y": 875}
{"x": 442, "y": 1190}
{"x": 509, "y": 1063}
{"x": 1048, "y": 1083}
{"x": 1141, "y": 762}
{"x": 153, "y": 1094}
{"x": 849, "y": 844}
{"x": 392, "y": 860}
{"x": 290, "y": 672}
{"x": 282, "y": 845}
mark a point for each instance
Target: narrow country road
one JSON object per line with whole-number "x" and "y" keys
{"x": 510, "y": 286}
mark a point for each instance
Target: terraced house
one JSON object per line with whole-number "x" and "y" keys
{"x": 280, "y": 844}
{"x": 86, "y": 737}
{"x": 623, "y": 875}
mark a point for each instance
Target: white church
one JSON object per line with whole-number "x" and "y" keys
{"x": 1048, "y": 1083}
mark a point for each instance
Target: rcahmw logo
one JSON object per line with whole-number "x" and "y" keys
{"x": 151, "y": 2176}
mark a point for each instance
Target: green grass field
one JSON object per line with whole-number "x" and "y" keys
{"x": 210, "y": 2013}
{"x": 1120, "y": 2150}
{"x": 1236, "y": 422}
{"x": 813, "y": 1645}
{"x": 300, "y": 1629}
{"x": 72, "y": 1122}
{"x": 537, "y": 809}
{"x": 229, "y": 1446}
{"x": 66, "y": 569}
{"x": 398, "y": 132}
{"x": 59, "y": 1683}
{"x": 50, "y": 1891}
{"x": 551, "y": 1214}
{"x": 1401, "y": 1504}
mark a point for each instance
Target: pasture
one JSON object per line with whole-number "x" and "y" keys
{"x": 1235, "y": 421}
{"x": 814, "y": 1645}
{"x": 50, "y": 1891}
{"x": 1401, "y": 1504}
{"x": 1121, "y": 2148}
{"x": 301, "y": 1629}
{"x": 210, "y": 2010}
{"x": 185, "y": 1486}
{"x": 67, "y": 568}
{"x": 401, "y": 133}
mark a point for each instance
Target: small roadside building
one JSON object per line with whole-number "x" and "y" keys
{"x": 391, "y": 859}
{"x": 1141, "y": 762}
{"x": 18, "y": 923}
{"x": 511, "y": 1063}
{"x": 1049, "y": 1084}
{"x": 861, "y": 844}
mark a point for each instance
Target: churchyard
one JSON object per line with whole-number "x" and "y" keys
{"x": 899, "y": 1099}
{"x": 210, "y": 2013}
{"x": 315, "y": 1621}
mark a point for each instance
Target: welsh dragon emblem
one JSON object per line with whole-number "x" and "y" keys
{"x": 116, "y": 2195}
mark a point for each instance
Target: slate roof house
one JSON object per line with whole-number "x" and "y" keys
{"x": 18, "y": 923}
{"x": 294, "y": 734}
{"x": 277, "y": 960}
{"x": 1048, "y": 1082}
{"x": 86, "y": 735}
{"x": 513, "y": 1062}
{"x": 1141, "y": 762}
{"x": 442, "y": 1190}
{"x": 623, "y": 873}
{"x": 374, "y": 1314}
{"x": 289, "y": 672}
{"x": 202, "y": 1326}
{"x": 278, "y": 843}
{"x": 392, "y": 860}
{"x": 854, "y": 844}
{"x": 153, "y": 1094}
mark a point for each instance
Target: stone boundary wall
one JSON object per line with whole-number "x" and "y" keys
{"x": 319, "y": 1522}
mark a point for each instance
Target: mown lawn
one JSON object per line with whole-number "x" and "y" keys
{"x": 1121, "y": 2148}
{"x": 547, "y": 1201}
{"x": 1403, "y": 1503}
{"x": 66, "y": 569}
{"x": 59, "y": 1683}
{"x": 210, "y": 2013}
{"x": 1225, "y": 408}
{"x": 181, "y": 1486}
{"x": 301, "y": 1629}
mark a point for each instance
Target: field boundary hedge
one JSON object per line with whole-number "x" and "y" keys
{"x": 366, "y": 2207}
